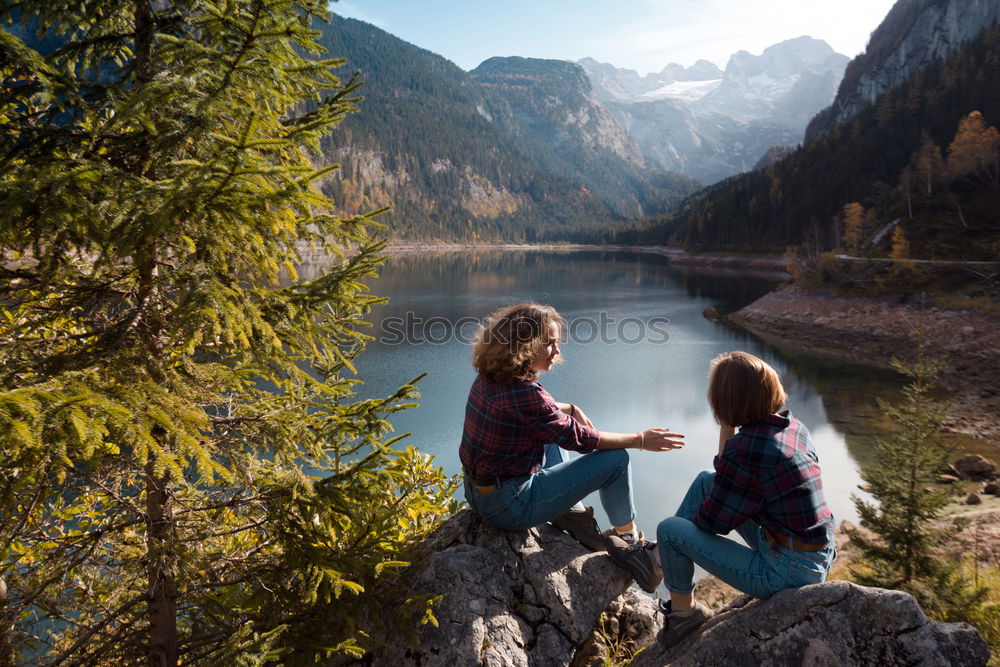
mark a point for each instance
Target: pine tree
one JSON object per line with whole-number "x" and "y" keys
{"x": 902, "y": 549}
{"x": 186, "y": 475}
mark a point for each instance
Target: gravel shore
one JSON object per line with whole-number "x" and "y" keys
{"x": 873, "y": 330}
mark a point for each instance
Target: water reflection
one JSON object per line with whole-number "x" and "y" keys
{"x": 623, "y": 386}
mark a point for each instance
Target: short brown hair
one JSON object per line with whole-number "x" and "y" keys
{"x": 510, "y": 340}
{"x": 743, "y": 389}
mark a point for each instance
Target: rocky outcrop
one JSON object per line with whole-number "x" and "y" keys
{"x": 833, "y": 624}
{"x": 537, "y": 597}
{"x": 509, "y": 598}
{"x": 914, "y": 34}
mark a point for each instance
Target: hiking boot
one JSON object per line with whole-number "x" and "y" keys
{"x": 638, "y": 559}
{"x": 581, "y": 526}
{"x": 677, "y": 625}
{"x": 632, "y": 537}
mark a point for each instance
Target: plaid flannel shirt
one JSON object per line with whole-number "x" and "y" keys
{"x": 507, "y": 426}
{"x": 769, "y": 472}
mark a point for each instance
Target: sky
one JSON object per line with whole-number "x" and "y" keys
{"x": 644, "y": 35}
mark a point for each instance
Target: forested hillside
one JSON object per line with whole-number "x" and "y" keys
{"x": 873, "y": 160}
{"x": 557, "y": 120}
{"x": 449, "y": 155}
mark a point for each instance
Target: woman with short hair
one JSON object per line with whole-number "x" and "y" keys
{"x": 515, "y": 474}
{"x": 766, "y": 486}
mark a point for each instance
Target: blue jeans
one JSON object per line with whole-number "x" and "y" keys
{"x": 758, "y": 569}
{"x": 529, "y": 500}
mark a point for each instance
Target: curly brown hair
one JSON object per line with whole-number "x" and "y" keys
{"x": 743, "y": 389}
{"x": 511, "y": 338}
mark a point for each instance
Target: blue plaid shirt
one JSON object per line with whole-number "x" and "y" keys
{"x": 508, "y": 424}
{"x": 769, "y": 472}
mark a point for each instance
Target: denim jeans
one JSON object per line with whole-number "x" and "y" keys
{"x": 530, "y": 500}
{"x": 758, "y": 569}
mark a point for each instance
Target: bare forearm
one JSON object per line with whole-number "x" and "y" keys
{"x": 612, "y": 440}
{"x": 652, "y": 440}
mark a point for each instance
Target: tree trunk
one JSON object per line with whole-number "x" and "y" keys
{"x": 6, "y": 628}
{"x": 160, "y": 539}
{"x": 162, "y": 570}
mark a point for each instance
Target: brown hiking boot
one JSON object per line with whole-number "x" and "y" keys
{"x": 581, "y": 526}
{"x": 678, "y": 625}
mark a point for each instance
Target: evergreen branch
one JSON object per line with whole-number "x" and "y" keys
{"x": 85, "y": 637}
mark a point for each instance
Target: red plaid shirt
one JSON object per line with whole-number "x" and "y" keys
{"x": 769, "y": 472}
{"x": 508, "y": 424}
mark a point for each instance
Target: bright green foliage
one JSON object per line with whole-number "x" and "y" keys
{"x": 906, "y": 516}
{"x": 185, "y": 476}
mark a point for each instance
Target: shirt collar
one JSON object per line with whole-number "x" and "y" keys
{"x": 781, "y": 420}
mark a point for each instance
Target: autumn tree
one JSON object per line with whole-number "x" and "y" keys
{"x": 186, "y": 474}
{"x": 975, "y": 151}
{"x": 900, "y": 245}
{"x": 853, "y": 217}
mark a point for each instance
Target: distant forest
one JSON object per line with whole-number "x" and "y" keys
{"x": 871, "y": 160}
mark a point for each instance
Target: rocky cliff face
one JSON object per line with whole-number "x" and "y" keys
{"x": 914, "y": 34}
{"x": 707, "y": 146}
{"x": 557, "y": 118}
{"x": 785, "y": 85}
{"x": 536, "y": 597}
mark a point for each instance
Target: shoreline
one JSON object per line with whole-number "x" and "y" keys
{"x": 872, "y": 330}
{"x": 767, "y": 266}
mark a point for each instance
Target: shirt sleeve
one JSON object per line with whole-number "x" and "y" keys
{"x": 734, "y": 497}
{"x": 538, "y": 411}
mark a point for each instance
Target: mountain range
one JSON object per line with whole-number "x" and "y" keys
{"x": 524, "y": 149}
{"x": 910, "y": 141}
{"x": 530, "y": 149}
{"x": 711, "y": 124}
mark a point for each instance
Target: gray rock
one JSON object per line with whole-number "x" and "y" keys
{"x": 630, "y": 623}
{"x": 992, "y": 488}
{"x": 831, "y": 624}
{"x": 973, "y": 499}
{"x": 509, "y": 598}
{"x": 975, "y": 467}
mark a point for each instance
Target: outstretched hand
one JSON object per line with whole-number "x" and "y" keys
{"x": 661, "y": 440}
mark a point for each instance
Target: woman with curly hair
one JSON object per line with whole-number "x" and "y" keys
{"x": 515, "y": 474}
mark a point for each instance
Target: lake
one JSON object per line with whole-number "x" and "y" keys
{"x": 637, "y": 356}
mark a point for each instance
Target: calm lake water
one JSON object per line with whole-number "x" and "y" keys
{"x": 637, "y": 357}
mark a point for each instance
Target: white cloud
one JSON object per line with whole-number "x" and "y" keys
{"x": 685, "y": 30}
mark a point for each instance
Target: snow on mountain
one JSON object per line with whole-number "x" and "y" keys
{"x": 688, "y": 91}
{"x": 711, "y": 124}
